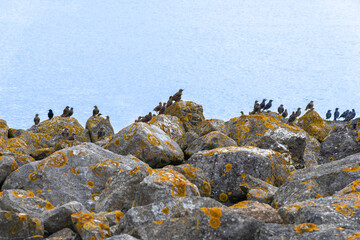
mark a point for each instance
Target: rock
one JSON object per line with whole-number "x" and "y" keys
{"x": 260, "y": 211}
{"x": 227, "y": 167}
{"x": 189, "y": 137}
{"x": 18, "y": 226}
{"x": 171, "y": 125}
{"x": 304, "y": 231}
{"x": 189, "y": 113}
{"x": 91, "y": 225}
{"x": 148, "y": 143}
{"x": 63, "y": 143}
{"x": 312, "y": 151}
{"x": 258, "y": 190}
{"x": 196, "y": 176}
{"x": 13, "y": 146}
{"x": 60, "y": 217}
{"x": 209, "y": 141}
{"x": 78, "y": 174}
{"x": 55, "y": 126}
{"x": 268, "y": 132}
{"x": 22, "y": 201}
{"x": 93, "y": 125}
{"x": 11, "y": 162}
{"x": 318, "y": 181}
{"x": 64, "y": 234}
{"x": 4, "y": 130}
{"x": 211, "y": 125}
{"x": 42, "y": 153}
{"x": 312, "y": 123}
{"x": 341, "y": 142}
{"x": 122, "y": 237}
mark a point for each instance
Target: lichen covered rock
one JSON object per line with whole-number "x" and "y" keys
{"x": 148, "y": 143}
{"x": 91, "y": 225}
{"x": 11, "y": 162}
{"x": 211, "y": 125}
{"x": 4, "y": 130}
{"x": 257, "y": 189}
{"x": 93, "y": 125}
{"x": 312, "y": 123}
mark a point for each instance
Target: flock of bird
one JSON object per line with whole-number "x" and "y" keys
{"x": 161, "y": 108}
{"x": 263, "y": 106}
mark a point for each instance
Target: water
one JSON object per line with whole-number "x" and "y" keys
{"x": 126, "y": 56}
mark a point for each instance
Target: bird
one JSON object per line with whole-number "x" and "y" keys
{"x": 101, "y": 133}
{"x": 65, "y": 133}
{"x": 292, "y": 117}
{"x": 50, "y": 114}
{"x": 285, "y": 114}
{"x": 95, "y": 111}
{"x": 310, "y": 105}
{"x": 169, "y": 102}
{"x": 72, "y": 137}
{"x": 298, "y": 112}
{"x": 242, "y": 113}
{"x": 70, "y": 113}
{"x": 336, "y": 113}
{"x": 108, "y": 118}
{"x": 140, "y": 119}
{"x": 281, "y": 109}
{"x": 36, "y": 119}
{"x": 177, "y": 96}
{"x": 350, "y": 115}
{"x": 268, "y": 105}
{"x": 328, "y": 114}
{"x": 163, "y": 109}
{"x": 158, "y": 107}
{"x": 344, "y": 114}
{"x": 262, "y": 104}
{"x": 256, "y": 107}
{"x": 65, "y": 112}
{"x": 99, "y": 114}
{"x": 147, "y": 117}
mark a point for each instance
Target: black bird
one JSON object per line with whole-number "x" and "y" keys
{"x": 95, "y": 111}
{"x": 50, "y": 114}
{"x": 169, "y": 102}
{"x": 281, "y": 109}
{"x": 292, "y": 117}
{"x": 285, "y": 114}
{"x": 70, "y": 113}
{"x": 36, "y": 119}
{"x": 350, "y": 115}
{"x": 310, "y": 106}
{"x": 162, "y": 109}
{"x": 101, "y": 133}
{"x": 268, "y": 105}
{"x": 336, "y": 113}
{"x": 262, "y": 104}
{"x": 344, "y": 114}
{"x": 328, "y": 114}
{"x": 177, "y": 96}
{"x": 298, "y": 112}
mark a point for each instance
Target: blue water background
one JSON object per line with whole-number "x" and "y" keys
{"x": 125, "y": 56}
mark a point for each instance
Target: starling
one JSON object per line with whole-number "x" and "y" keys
{"x": 336, "y": 113}
{"x": 177, "y": 96}
{"x": 285, "y": 114}
{"x": 169, "y": 102}
{"x": 292, "y": 117}
{"x": 328, "y": 114}
{"x": 65, "y": 112}
{"x": 50, "y": 114}
{"x": 36, "y": 119}
{"x": 281, "y": 109}
{"x": 158, "y": 107}
{"x": 298, "y": 112}
{"x": 268, "y": 105}
{"x": 262, "y": 104}
{"x": 344, "y": 114}
{"x": 95, "y": 111}
{"x": 70, "y": 113}
{"x": 163, "y": 108}
{"x": 310, "y": 106}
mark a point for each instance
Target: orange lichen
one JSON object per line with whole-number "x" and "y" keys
{"x": 33, "y": 176}
{"x": 134, "y": 170}
{"x": 117, "y": 142}
{"x": 305, "y": 227}
{"x": 100, "y": 168}
{"x": 206, "y": 188}
{"x": 119, "y": 215}
{"x": 58, "y": 160}
{"x": 159, "y": 222}
{"x": 18, "y": 195}
{"x": 189, "y": 171}
{"x": 354, "y": 236}
{"x": 223, "y": 197}
{"x": 319, "y": 196}
{"x": 258, "y": 192}
{"x": 75, "y": 171}
{"x": 240, "y": 204}
{"x": 90, "y": 184}
{"x": 352, "y": 169}
{"x": 343, "y": 209}
{"x": 48, "y": 206}
{"x": 95, "y": 197}
{"x": 214, "y": 214}
{"x": 172, "y": 147}
{"x": 165, "y": 211}
{"x": 228, "y": 167}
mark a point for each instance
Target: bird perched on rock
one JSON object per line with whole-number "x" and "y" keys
{"x": 108, "y": 118}
{"x": 70, "y": 113}
{"x": 344, "y": 114}
{"x": 285, "y": 114}
{"x": 140, "y": 119}
{"x": 50, "y": 114}
{"x": 350, "y": 115}
{"x": 72, "y": 137}
{"x": 262, "y": 104}
{"x": 336, "y": 113}
{"x": 328, "y": 114}
{"x": 65, "y": 133}
{"x": 310, "y": 105}
{"x": 36, "y": 119}
{"x": 177, "y": 96}
{"x": 99, "y": 114}
{"x": 147, "y": 117}
{"x": 281, "y": 109}
{"x": 95, "y": 111}
{"x": 256, "y": 107}
{"x": 268, "y": 105}
{"x": 169, "y": 102}
{"x": 242, "y": 113}
{"x": 163, "y": 108}
{"x": 292, "y": 118}
{"x": 298, "y": 112}
{"x": 158, "y": 107}
{"x": 65, "y": 112}
{"x": 101, "y": 133}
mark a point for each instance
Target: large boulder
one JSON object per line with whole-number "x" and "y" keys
{"x": 91, "y": 225}
{"x": 257, "y": 189}
{"x": 11, "y": 162}
{"x": 211, "y": 125}
{"x": 78, "y": 174}
{"x": 342, "y": 142}
{"x": 93, "y": 125}
{"x": 148, "y": 143}
{"x": 227, "y": 167}
{"x": 55, "y": 126}
{"x": 210, "y": 141}
{"x": 4, "y": 129}
{"x": 189, "y": 113}
{"x": 312, "y": 123}
{"x": 171, "y": 125}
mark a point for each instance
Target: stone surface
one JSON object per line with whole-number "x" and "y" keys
{"x": 227, "y": 167}
{"x": 91, "y": 225}
{"x": 64, "y": 234}
{"x": 122, "y": 237}
{"x": 11, "y": 162}
{"x": 93, "y": 125}
{"x": 148, "y": 143}
{"x": 4, "y": 130}
{"x": 257, "y": 189}
{"x": 209, "y": 141}
{"x": 78, "y": 174}
{"x": 189, "y": 113}
{"x": 211, "y": 125}
{"x": 312, "y": 123}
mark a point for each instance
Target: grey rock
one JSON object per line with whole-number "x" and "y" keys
{"x": 11, "y": 162}
{"x": 122, "y": 237}
{"x": 93, "y": 125}
{"x": 258, "y": 190}
{"x": 64, "y": 234}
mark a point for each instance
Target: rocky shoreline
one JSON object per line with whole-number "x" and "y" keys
{"x": 181, "y": 176}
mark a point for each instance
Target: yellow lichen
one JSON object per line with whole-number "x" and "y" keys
{"x": 240, "y": 204}
{"x": 159, "y": 222}
{"x": 134, "y": 170}
{"x": 228, "y": 167}
{"x": 33, "y": 176}
{"x": 223, "y": 197}
{"x": 343, "y": 209}
{"x": 165, "y": 211}
{"x": 305, "y": 227}
{"x": 90, "y": 184}
{"x": 206, "y": 188}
